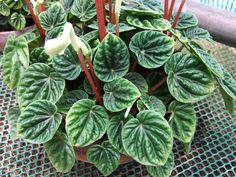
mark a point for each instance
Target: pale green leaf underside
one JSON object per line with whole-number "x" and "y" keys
{"x": 138, "y": 80}
{"x": 12, "y": 117}
{"x": 39, "y": 122}
{"x": 188, "y": 79}
{"x": 60, "y": 152}
{"x": 152, "y": 48}
{"x": 86, "y": 122}
{"x": 183, "y": 121}
{"x": 148, "y": 138}
{"x": 119, "y": 95}
{"x": 228, "y": 100}
{"x": 105, "y": 157}
{"x": 40, "y": 82}
{"x": 17, "y": 20}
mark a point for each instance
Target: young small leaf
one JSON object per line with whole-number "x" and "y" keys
{"x": 4, "y": 9}
{"x": 12, "y": 117}
{"x": 148, "y": 138}
{"x": 17, "y": 20}
{"x": 86, "y": 122}
{"x": 138, "y": 80}
{"x": 39, "y": 122}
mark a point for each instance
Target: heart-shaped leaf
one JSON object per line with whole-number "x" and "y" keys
{"x": 119, "y": 95}
{"x": 228, "y": 100}
{"x": 150, "y": 23}
{"x": 196, "y": 33}
{"x": 4, "y": 9}
{"x": 38, "y": 55}
{"x": 54, "y": 16}
{"x": 60, "y": 152}
{"x": 67, "y": 64}
{"x": 183, "y": 121}
{"x": 152, "y": 48}
{"x": 84, "y": 9}
{"x": 148, "y": 139}
{"x": 40, "y": 82}
{"x": 86, "y": 122}
{"x": 112, "y": 59}
{"x": 12, "y": 117}
{"x": 69, "y": 98}
{"x": 105, "y": 157}
{"x": 162, "y": 171}
{"x": 188, "y": 79}
{"x": 138, "y": 81}
{"x": 15, "y": 60}
{"x": 14, "y": 4}
{"x": 151, "y": 103}
{"x": 39, "y": 122}
{"x": 114, "y": 129}
{"x": 186, "y": 20}
{"x": 17, "y": 21}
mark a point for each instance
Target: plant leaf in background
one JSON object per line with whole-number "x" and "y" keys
{"x": 188, "y": 79}
{"x": 105, "y": 157}
{"x": 119, "y": 95}
{"x": 40, "y": 82}
{"x": 86, "y": 122}
{"x": 138, "y": 80}
{"x": 112, "y": 59}
{"x": 38, "y": 55}
{"x": 148, "y": 138}
{"x": 12, "y": 117}
{"x": 4, "y": 9}
{"x": 186, "y": 20}
{"x": 15, "y": 60}
{"x": 152, "y": 48}
{"x": 14, "y": 4}
{"x": 183, "y": 121}
{"x": 17, "y": 21}
{"x": 39, "y": 122}
{"x": 196, "y": 33}
{"x": 60, "y": 152}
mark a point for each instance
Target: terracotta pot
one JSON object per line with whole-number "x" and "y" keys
{"x": 4, "y": 35}
{"x": 81, "y": 155}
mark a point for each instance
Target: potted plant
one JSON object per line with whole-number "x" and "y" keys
{"x": 114, "y": 82}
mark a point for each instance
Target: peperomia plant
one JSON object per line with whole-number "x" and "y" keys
{"x": 117, "y": 77}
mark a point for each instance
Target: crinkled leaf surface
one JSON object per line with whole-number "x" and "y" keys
{"x": 39, "y": 122}
{"x": 119, "y": 95}
{"x": 4, "y": 9}
{"x": 148, "y": 138}
{"x": 67, "y": 65}
{"x": 196, "y": 33}
{"x": 17, "y": 20}
{"x": 111, "y": 28}
{"x": 138, "y": 80}
{"x": 54, "y": 16}
{"x": 112, "y": 59}
{"x": 228, "y": 100}
{"x": 183, "y": 121}
{"x": 15, "y": 60}
{"x": 105, "y": 157}
{"x": 86, "y": 122}
{"x": 186, "y": 20}
{"x": 188, "y": 79}
{"x": 38, "y": 55}
{"x": 162, "y": 171}
{"x": 54, "y": 33}
{"x": 60, "y": 152}
{"x": 12, "y": 117}
{"x": 69, "y": 98}
{"x": 14, "y": 4}
{"x": 40, "y": 82}
{"x": 114, "y": 129}
{"x": 84, "y": 9}
{"x": 152, "y": 48}
{"x": 150, "y": 23}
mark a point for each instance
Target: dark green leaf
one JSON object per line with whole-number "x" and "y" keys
{"x": 54, "y": 33}
{"x": 138, "y": 81}
{"x": 196, "y": 33}
{"x": 14, "y": 4}
{"x": 17, "y": 21}
{"x": 186, "y": 20}
{"x": 39, "y": 122}
{"x": 87, "y": 87}
{"x": 38, "y": 55}
{"x": 148, "y": 139}
{"x": 12, "y": 117}
{"x": 88, "y": 37}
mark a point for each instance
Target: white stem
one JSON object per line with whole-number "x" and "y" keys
{"x": 118, "y": 7}
{"x": 127, "y": 111}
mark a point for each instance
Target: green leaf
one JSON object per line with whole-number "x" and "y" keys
{"x": 54, "y": 33}
{"x": 151, "y": 103}
{"x": 228, "y": 100}
{"x": 86, "y": 122}
{"x": 186, "y": 20}
{"x": 112, "y": 59}
{"x": 196, "y": 33}
{"x": 39, "y": 122}
{"x": 152, "y": 48}
{"x": 87, "y": 87}
{"x": 187, "y": 147}
{"x": 119, "y": 95}
{"x": 67, "y": 65}
{"x": 60, "y": 152}
{"x": 14, "y": 4}
{"x": 12, "y": 117}
{"x": 17, "y": 21}
{"x": 150, "y": 23}
{"x": 85, "y": 10}
{"x": 138, "y": 80}
{"x": 148, "y": 138}
{"x": 188, "y": 79}
{"x": 182, "y": 121}
{"x": 69, "y": 98}
{"x": 90, "y": 36}
{"x": 40, "y": 82}
{"x": 38, "y": 55}
{"x": 54, "y": 17}
{"x": 105, "y": 157}
{"x": 162, "y": 171}
{"x": 114, "y": 129}
{"x": 15, "y": 60}
{"x": 4, "y": 9}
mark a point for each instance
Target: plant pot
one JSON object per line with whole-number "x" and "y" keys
{"x": 82, "y": 151}
{"x": 4, "y": 35}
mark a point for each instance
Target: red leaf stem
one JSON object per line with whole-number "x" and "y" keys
{"x": 171, "y": 9}
{"x": 110, "y": 11}
{"x": 157, "y": 85}
{"x": 100, "y": 7}
{"x": 166, "y": 7}
{"x": 178, "y": 13}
